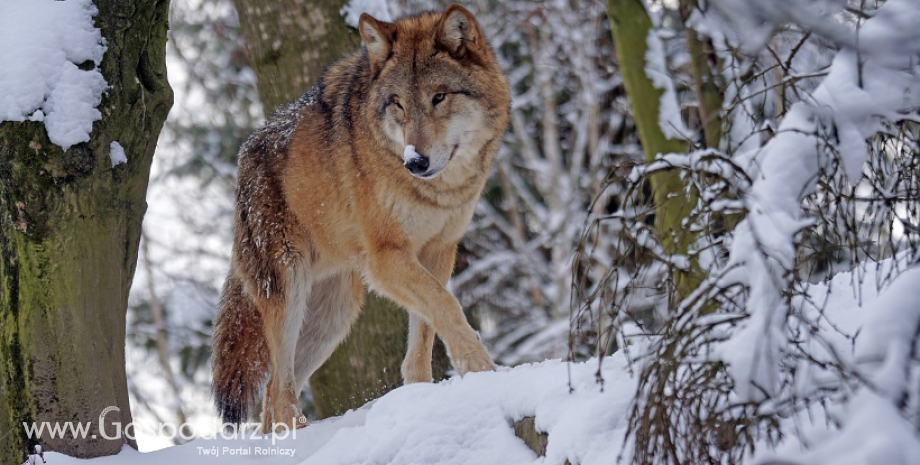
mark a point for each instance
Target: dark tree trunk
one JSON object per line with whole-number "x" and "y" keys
{"x": 69, "y": 230}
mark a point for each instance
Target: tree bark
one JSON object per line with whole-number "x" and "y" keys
{"x": 630, "y": 26}
{"x": 69, "y": 230}
{"x": 290, "y": 43}
{"x": 706, "y": 84}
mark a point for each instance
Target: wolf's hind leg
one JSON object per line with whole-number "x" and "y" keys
{"x": 333, "y": 308}
{"x": 282, "y": 324}
{"x": 416, "y": 368}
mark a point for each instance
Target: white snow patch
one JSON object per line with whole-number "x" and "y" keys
{"x": 409, "y": 153}
{"x": 376, "y": 8}
{"x": 42, "y": 42}
{"x": 117, "y": 154}
{"x": 657, "y": 71}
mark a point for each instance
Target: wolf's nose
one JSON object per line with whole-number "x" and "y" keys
{"x": 418, "y": 165}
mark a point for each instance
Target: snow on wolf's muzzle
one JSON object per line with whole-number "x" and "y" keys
{"x": 416, "y": 163}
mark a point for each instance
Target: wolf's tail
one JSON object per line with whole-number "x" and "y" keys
{"x": 239, "y": 353}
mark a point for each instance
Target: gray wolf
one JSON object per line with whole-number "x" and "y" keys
{"x": 369, "y": 179}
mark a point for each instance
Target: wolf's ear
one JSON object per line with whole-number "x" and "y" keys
{"x": 379, "y": 37}
{"x": 459, "y": 33}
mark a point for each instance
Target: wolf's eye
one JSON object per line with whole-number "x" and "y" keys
{"x": 395, "y": 101}
{"x": 438, "y": 98}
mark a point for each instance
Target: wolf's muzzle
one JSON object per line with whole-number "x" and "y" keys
{"x": 418, "y": 165}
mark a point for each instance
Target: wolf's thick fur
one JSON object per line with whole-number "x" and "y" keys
{"x": 330, "y": 199}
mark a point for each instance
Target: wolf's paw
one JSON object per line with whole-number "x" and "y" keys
{"x": 476, "y": 361}
{"x": 291, "y": 417}
{"x": 416, "y": 372}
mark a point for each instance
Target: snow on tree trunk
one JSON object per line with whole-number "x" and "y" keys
{"x": 632, "y": 33}
{"x": 70, "y": 223}
{"x": 704, "y": 65}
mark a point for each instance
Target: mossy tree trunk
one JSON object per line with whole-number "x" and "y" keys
{"x": 707, "y": 83}
{"x": 290, "y": 43}
{"x": 69, "y": 230}
{"x": 630, "y": 25}
{"x": 709, "y": 86}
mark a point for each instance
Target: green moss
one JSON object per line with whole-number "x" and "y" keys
{"x": 12, "y": 381}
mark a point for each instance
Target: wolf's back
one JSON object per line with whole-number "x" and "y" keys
{"x": 239, "y": 353}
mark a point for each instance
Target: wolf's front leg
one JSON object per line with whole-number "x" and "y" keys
{"x": 282, "y": 322}
{"x": 438, "y": 258}
{"x": 397, "y": 273}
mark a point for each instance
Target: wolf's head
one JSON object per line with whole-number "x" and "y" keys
{"x": 437, "y": 88}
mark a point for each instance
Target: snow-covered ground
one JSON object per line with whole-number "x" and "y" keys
{"x": 458, "y": 421}
{"x": 470, "y": 420}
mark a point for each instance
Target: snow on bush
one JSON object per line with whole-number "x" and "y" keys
{"x": 873, "y": 342}
{"x": 862, "y": 90}
{"x": 816, "y": 171}
{"x": 45, "y": 48}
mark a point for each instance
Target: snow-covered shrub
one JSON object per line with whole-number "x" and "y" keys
{"x": 816, "y": 172}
